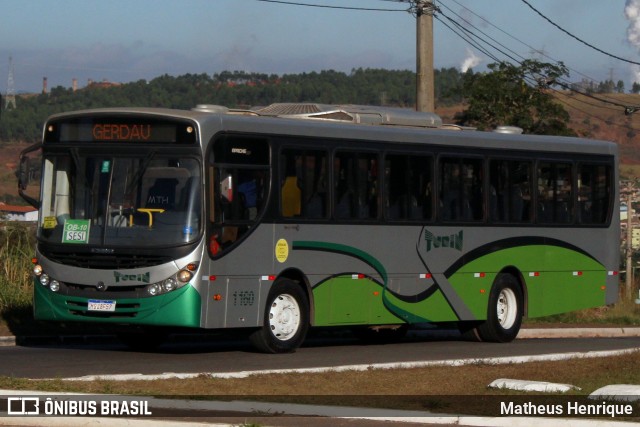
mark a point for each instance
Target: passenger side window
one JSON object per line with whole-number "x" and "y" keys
{"x": 355, "y": 186}
{"x": 408, "y": 187}
{"x": 460, "y": 189}
{"x": 555, "y": 192}
{"x": 510, "y": 191}
{"x": 594, "y": 195}
{"x": 303, "y": 184}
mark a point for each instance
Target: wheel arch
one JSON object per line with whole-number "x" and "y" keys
{"x": 297, "y": 276}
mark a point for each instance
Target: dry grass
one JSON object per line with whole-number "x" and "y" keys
{"x": 588, "y": 374}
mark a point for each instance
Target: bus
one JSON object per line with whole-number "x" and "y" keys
{"x": 296, "y": 216}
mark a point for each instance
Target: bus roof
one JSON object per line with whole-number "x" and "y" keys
{"x": 369, "y": 123}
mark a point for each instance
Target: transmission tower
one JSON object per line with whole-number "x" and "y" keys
{"x": 10, "y": 98}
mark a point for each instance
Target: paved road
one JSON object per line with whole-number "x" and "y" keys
{"x": 230, "y": 354}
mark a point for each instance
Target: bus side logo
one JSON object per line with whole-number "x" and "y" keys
{"x": 453, "y": 241}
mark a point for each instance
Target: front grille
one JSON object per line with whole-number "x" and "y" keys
{"x": 106, "y": 262}
{"x": 112, "y": 292}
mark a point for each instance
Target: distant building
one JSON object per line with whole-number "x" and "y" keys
{"x": 18, "y": 213}
{"x": 91, "y": 84}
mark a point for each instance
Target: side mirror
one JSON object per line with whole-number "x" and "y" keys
{"x": 26, "y": 170}
{"x": 23, "y": 173}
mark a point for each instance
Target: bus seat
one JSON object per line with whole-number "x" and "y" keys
{"x": 343, "y": 207}
{"x": 315, "y": 207}
{"x": 291, "y": 197}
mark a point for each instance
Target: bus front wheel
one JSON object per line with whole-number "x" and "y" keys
{"x": 286, "y": 319}
{"x": 504, "y": 312}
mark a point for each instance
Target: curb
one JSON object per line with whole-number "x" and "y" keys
{"x": 579, "y": 333}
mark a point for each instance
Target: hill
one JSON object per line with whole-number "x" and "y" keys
{"x": 590, "y": 118}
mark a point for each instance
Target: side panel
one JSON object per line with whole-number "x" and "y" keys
{"x": 440, "y": 274}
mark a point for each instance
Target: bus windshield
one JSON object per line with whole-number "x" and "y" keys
{"x": 104, "y": 200}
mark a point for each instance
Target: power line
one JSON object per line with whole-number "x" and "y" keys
{"x": 325, "y": 6}
{"x": 576, "y": 37}
{"x": 518, "y": 40}
{"x": 560, "y": 82}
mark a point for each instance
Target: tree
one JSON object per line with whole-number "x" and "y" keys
{"x": 516, "y": 96}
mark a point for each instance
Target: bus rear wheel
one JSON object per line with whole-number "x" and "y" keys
{"x": 286, "y": 319}
{"x": 505, "y": 310}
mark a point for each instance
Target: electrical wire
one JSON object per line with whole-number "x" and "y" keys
{"x": 576, "y": 37}
{"x": 519, "y": 40}
{"x": 560, "y": 81}
{"x": 291, "y": 3}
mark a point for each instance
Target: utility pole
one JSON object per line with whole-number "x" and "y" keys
{"x": 425, "y": 94}
{"x": 10, "y": 99}
{"x": 629, "y": 275}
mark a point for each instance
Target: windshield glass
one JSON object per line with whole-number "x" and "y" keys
{"x": 146, "y": 201}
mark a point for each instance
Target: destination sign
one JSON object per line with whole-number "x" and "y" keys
{"x": 143, "y": 130}
{"x": 121, "y": 132}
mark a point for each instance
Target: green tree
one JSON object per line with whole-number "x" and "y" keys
{"x": 516, "y": 96}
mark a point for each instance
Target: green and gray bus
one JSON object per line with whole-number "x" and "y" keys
{"x": 294, "y": 216}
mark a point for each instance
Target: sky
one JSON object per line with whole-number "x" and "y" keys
{"x": 128, "y": 40}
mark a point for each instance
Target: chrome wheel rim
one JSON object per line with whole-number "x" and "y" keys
{"x": 284, "y": 317}
{"x": 507, "y": 308}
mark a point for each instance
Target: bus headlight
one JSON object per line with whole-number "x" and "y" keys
{"x": 37, "y": 269}
{"x": 54, "y": 285}
{"x": 44, "y": 279}
{"x": 184, "y": 276}
{"x": 169, "y": 285}
{"x": 154, "y": 289}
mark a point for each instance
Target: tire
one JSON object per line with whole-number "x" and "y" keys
{"x": 504, "y": 312}
{"x": 286, "y": 319}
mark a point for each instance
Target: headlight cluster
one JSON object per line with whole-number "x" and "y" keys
{"x": 44, "y": 278}
{"x": 174, "y": 282}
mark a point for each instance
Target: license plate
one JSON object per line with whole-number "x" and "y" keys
{"x": 101, "y": 305}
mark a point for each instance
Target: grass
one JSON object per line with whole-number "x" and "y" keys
{"x": 16, "y": 251}
{"x": 624, "y": 313}
{"x": 441, "y": 389}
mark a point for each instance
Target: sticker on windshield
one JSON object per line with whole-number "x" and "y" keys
{"x": 106, "y": 166}
{"x": 49, "y": 222}
{"x": 76, "y": 231}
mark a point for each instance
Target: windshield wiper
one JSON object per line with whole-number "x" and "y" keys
{"x": 138, "y": 176}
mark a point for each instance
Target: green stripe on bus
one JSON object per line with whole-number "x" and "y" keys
{"x": 178, "y": 308}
